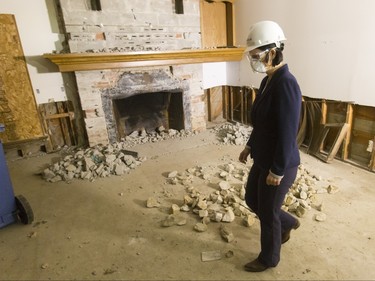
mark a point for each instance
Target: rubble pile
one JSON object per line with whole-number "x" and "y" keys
{"x": 160, "y": 134}
{"x": 302, "y": 193}
{"x": 94, "y": 162}
{"x": 103, "y": 161}
{"x": 226, "y": 201}
{"x": 232, "y": 134}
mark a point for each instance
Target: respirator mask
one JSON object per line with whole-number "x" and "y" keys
{"x": 256, "y": 61}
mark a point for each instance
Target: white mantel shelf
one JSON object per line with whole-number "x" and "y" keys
{"x": 98, "y": 61}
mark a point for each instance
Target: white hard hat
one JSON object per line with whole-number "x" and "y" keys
{"x": 264, "y": 33}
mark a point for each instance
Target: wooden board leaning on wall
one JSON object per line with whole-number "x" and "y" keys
{"x": 18, "y": 110}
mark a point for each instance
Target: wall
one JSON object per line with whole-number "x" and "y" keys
{"x": 125, "y": 26}
{"x": 329, "y": 47}
{"x": 137, "y": 25}
{"x": 39, "y": 34}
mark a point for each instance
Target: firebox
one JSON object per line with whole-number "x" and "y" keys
{"x": 145, "y": 100}
{"x": 148, "y": 111}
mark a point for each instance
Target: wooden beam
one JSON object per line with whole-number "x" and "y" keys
{"x": 242, "y": 99}
{"x": 372, "y": 161}
{"x": 343, "y": 129}
{"x": 60, "y": 115}
{"x": 226, "y": 103}
{"x": 323, "y": 120}
{"x": 231, "y": 103}
{"x": 246, "y": 105}
{"x": 324, "y": 112}
{"x": 349, "y": 121}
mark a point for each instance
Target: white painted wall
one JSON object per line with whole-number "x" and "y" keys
{"x": 214, "y": 74}
{"x": 329, "y": 48}
{"x": 38, "y": 31}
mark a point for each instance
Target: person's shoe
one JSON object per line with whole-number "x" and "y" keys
{"x": 255, "y": 266}
{"x": 286, "y": 235}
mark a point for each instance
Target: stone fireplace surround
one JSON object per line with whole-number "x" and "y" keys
{"x": 138, "y": 83}
{"x": 103, "y": 77}
{"x": 98, "y": 90}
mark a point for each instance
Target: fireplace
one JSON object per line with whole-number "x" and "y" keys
{"x": 148, "y": 112}
{"x": 146, "y": 100}
{"x": 142, "y": 50}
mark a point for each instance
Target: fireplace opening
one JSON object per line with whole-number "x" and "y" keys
{"x": 149, "y": 111}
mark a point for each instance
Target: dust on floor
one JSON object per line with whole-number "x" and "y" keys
{"x": 102, "y": 230}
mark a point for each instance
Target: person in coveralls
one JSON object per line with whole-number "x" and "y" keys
{"x": 272, "y": 144}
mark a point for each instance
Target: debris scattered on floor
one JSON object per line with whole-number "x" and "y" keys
{"x": 32, "y": 234}
{"x": 229, "y": 254}
{"x": 226, "y": 233}
{"x": 234, "y": 134}
{"x": 109, "y": 271}
{"x": 152, "y": 203}
{"x": 90, "y": 163}
{"x": 320, "y": 217}
{"x": 104, "y": 161}
{"x": 224, "y": 198}
{"x": 44, "y": 266}
{"x": 160, "y": 134}
{"x": 332, "y": 189}
{"x": 200, "y": 227}
{"x": 211, "y": 256}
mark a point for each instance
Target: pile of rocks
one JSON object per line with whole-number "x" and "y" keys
{"x": 223, "y": 204}
{"x": 90, "y": 163}
{"x": 232, "y": 134}
{"x": 103, "y": 161}
{"x": 226, "y": 202}
{"x": 302, "y": 196}
{"x": 160, "y": 134}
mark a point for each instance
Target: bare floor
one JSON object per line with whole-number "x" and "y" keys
{"x": 102, "y": 230}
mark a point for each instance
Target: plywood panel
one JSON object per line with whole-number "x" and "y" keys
{"x": 18, "y": 109}
{"x": 213, "y": 24}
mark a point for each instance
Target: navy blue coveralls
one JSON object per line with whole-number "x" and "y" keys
{"x": 273, "y": 146}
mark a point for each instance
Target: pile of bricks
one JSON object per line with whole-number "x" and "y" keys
{"x": 160, "y": 134}
{"x": 103, "y": 161}
{"x": 91, "y": 163}
{"x": 226, "y": 201}
{"x": 232, "y": 134}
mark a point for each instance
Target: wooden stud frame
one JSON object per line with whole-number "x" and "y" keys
{"x": 343, "y": 130}
{"x": 372, "y": 161}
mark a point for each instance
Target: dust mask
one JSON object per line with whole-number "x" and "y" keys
{"x": 258, "y": 66}
{"x": 256, "y": 61}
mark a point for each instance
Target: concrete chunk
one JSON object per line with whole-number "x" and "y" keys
{"x": 211, "y": 256}
{"x": 320, "y": 217}
{"x": 152, "y": 203}
{"x": 229, "y": 216}
{"x": 200, "y": 227}
{"x": 226, "y": 233}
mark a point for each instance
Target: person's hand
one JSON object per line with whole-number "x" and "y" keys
{"x": 243, "y": 155}
{"x": 271, "y": 180}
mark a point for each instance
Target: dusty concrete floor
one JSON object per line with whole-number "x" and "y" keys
{"x": 87, "y": 231}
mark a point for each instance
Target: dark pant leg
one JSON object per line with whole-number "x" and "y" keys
{"x": 286, "y": 219}
{"x": 270, "y": 200}
{"x": 251, "y": 194}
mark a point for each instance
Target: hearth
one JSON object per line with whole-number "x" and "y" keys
{"x": 145, "y": 100}
{"x": 148, "y": 112}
